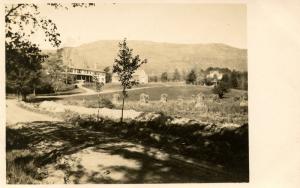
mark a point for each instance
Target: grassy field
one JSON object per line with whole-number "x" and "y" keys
{"x": 154, "y": 93}
{"x": 226, "y": 110}
{"x": 69, "y": 92}
{"x": 115, "y": 86}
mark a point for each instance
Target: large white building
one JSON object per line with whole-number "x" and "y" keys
{"x": 139, "y": 75}
{"x": 86, "y": 74}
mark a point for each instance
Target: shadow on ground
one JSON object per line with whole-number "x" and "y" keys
{"x": 101, "y": 157}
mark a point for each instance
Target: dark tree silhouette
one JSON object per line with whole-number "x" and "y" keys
{"x": 23, "y": 67}
{"x": 108, "y": 74}
{"x": 191, "y": 77}
{"x": 176, "y": 75}
{"x": 164, "y": 77}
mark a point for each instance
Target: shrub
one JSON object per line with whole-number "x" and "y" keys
{"x": 101, "y": 103}
{"x": 116, "y": 98}
{"x": 105, "y": 103}
{"x": 164, "y": 98}
{"x": 30, "y": 98}
{"x": 220, "y": 89}
{"x": 65, "y": 87}
{"x": 144, "y": 98}
{"x": 70, "y": 116}
{"x": 44, "y": 88}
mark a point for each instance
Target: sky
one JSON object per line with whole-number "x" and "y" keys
{"x": 172, "y": 23}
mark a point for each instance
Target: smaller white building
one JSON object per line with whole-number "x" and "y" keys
{"x": 139, "y": 75}
{"x": 215, "y": 76}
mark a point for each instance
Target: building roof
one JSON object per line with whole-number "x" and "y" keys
{"x": 90, "y": 69}
{"x": 215, "y": 73}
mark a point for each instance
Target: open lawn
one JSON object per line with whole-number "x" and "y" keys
{"x": 68, "y": 92}
{"x": 227, "y": 110}
{"x": 173, "y": 93}
{"x": 115, "y": 86}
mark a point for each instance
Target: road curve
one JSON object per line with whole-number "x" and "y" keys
{"x": 16, "y": 114}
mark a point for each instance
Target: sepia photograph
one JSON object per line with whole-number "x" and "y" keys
{"x": 126, "y": 93}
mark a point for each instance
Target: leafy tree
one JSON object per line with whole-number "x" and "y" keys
{"x": 23, "y": 65}
{"x": 191, "y": 77}
{"x": 125, "y": 65}
{"x": 55, "y": 68}
{"x": 108, "y": 74}
{"x": 164, "y": 77}
{"x": 23, "y": 58}
{"x": 153, "y": 78}
{"x": 24, "y": 20}
{"x": 234, "y": 79}
{"x": 200, "y": 77}
{"x": 176, "y": 75}
{"x": 226, "y": 80}
{"x": 243, "y": 81}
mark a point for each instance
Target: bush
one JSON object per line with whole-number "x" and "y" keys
{"x": 69, "y": 116}
{"x": 105, "y": 103}
{"x": 44, "y": 88}
{"x": 144, "y": 98}
{"x": 220, "y": 89}
{"x": 101, "y": 103}
{"x": 65, "y": 87}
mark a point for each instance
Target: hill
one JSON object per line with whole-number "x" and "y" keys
{"x": 161, "y": 56}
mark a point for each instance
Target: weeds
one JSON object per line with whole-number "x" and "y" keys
{"x": 229, "y": 112}
{"x": 20, "y": 168}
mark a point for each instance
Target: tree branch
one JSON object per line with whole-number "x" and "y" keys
{"x": 11, "y": 10}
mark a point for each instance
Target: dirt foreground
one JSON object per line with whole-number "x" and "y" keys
{"x": 67, "y": 153}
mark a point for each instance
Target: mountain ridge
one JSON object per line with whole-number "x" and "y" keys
{"x": 100, "y": 54}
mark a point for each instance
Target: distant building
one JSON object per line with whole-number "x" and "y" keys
{"x": 215, "y": 76}
{"x": 87, "y": 74}
{"x": 139, "y": 75}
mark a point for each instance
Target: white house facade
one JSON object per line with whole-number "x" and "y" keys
{"x": 215, "y": 76}
{"x": 88, "y": 75}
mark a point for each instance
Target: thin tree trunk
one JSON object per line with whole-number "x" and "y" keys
{"x": 123, "y": 106}
{"x": 18, "y": 95}
{"x": 23, "y": 97}
{"x": 98, "y": 107}
{"x": 67, "y": 78}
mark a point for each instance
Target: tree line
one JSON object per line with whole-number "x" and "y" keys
{"x": 230, "y": 78}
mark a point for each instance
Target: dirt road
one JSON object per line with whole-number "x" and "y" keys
{"x": 16, "y": 114}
